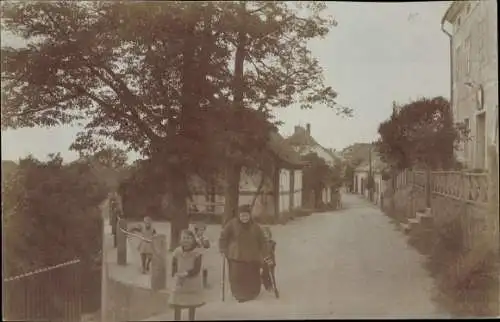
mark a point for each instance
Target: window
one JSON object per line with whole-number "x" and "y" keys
{"x": 467, "y": 55}
{"x": 459, "y": 21}
{"x": 466, "y": 142}
{"x": 468, "y": 8}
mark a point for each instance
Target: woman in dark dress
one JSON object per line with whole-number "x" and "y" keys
{"x": 243, "y": 243}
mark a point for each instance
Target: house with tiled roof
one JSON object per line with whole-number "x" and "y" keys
{"x": 304, "y": 143}
{"x": 271, "y": 194}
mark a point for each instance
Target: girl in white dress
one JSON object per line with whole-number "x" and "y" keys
{"x": 186, "y": 269}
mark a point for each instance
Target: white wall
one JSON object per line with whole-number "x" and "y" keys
{"x": 298, "y": 189}
{"x": 284, "y": 190}
{"x": 379, "y": 184}
{"x": 264, "y": 204}
{"x": 483, "y": 71}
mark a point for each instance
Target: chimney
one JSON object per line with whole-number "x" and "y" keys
{"x": 308, "y": 129}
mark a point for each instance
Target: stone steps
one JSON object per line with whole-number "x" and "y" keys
{"x": 421, "y": 219}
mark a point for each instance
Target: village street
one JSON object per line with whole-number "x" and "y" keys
{"x": 351, "y": 263}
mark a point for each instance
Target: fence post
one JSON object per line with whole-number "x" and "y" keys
{"x": 428, "y": 188}
{"x": 122, "y": 242}
{"x": 159, "y": 263}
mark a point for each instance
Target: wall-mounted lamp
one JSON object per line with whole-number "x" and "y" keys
{"x": 470, "y": 84}
{"x": 479, "y": 94}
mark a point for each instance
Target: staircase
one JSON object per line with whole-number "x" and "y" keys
{"x": 422, "y": 219}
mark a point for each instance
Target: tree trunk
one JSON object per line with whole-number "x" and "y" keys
{"x": 178, "y": 211}
{"x": 233, "y": 168}
{"x": 231, "y": 192}
{"x": 259, "y": 189}
{"x": 179, "y": 191}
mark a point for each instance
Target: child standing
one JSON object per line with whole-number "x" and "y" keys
{"x": 269, "y": 263}
{"x": 202, "y": 243}
{"x": 146, "y": 247}
{"x": 186, "y": 269}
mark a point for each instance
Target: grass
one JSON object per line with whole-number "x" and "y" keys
{"x": 474, "y": 295}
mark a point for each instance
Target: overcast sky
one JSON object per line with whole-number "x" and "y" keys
{"x": 379, "y": 52}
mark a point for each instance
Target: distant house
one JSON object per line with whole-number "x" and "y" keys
{"x": 280, "y": 191}
{"x": 303, "y": 143}
{"x": 361, "y": 174}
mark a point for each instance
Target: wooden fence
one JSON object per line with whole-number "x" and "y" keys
{"x": 49, "y": 294}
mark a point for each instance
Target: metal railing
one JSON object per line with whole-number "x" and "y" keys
{"x": 49, "y": 294}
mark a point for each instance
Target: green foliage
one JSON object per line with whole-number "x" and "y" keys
{"x": 421, "y": 133}
{"x": 349, "y": 174}
{"x": 74, "y": 71}
{"x": 111, "y": 157}
{"x": 317, "y": 175}
{"x": 370, "y": 182}
{"x": 157, "y": 77}
{"x": 50, "y": 214}
{"x": 357, "y": 153}
{"x": 386, "y": 175}
{"x": 142, "y": 196}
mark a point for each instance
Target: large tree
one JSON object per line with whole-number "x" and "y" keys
{"x": 273, "y": 67}
{"x": 317, "y": 176}
{"x": 189, "y": 85}
{"x": 421, "y": 134}
{"x": 141, "y": 74}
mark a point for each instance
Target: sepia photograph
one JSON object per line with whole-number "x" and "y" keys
{"x": 249, "y": 160}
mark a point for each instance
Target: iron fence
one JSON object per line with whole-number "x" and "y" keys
{"x": 49, "y": 294}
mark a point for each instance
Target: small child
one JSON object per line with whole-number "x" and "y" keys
{"x": 270, "y": 262}
{"x": 203, "y": 243}
{"x": 186, "y": 267}
{"x": 146, "y": 247}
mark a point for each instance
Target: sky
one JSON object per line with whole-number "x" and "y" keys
{"x": 377, "y": 54}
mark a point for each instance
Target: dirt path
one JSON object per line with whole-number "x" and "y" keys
{"x": 351, "y": 263}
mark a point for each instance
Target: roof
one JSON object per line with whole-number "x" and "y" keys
{"x": 377, "y": 164}
{"x": 453, "y": 10}
{"x": 283, "y": 150}
{"x": 301, "y": 138}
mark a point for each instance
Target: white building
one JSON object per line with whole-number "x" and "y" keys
{"x": 472, "y": 28}
{"x": 361, "y": 174}
{"x": 303, "y": 143}
{"x": 278, "y": 193}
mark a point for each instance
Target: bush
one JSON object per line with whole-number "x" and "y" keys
{"x": 51, "y": 215}
{"x": 140, "y": 194}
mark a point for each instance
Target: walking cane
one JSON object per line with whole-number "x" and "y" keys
{"x": 273, "y": 281}
{"x": 223, "y": 277}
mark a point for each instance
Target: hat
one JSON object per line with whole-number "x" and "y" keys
{"x": 245, "y": 208}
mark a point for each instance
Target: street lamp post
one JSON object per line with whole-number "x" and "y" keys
{"x": 370, "y": 176}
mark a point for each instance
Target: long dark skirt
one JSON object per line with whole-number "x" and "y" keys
{"x": 244, "y": 278}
